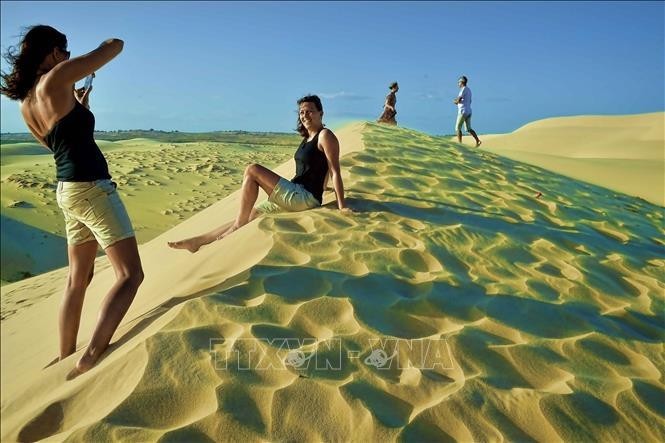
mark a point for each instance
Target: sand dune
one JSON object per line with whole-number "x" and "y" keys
{"x": 24, "y": 247}
{"x": 623, "y": 153}
{"x": 522, "y": 318}
{"x": 183, "y": 177}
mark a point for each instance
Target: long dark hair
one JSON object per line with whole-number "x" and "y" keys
{"x": 25, "y": 59}
{"x": 307, "y": 99}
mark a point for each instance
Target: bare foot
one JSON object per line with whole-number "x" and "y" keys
{"x": 190, "y": 244}
{"x": 478, "y": 143}
{"x": 73, "y": 374}
{"x": 85, "y": 363}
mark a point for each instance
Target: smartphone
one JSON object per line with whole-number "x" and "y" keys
{"x": 88, "y": 82}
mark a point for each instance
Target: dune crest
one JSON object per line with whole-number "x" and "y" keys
{"x": 453, "y": 305}
{"x": 624, "y": 153}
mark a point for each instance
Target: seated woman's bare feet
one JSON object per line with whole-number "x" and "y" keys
{"x": 191, "y": 244}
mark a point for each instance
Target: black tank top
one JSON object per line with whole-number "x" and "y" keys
{"x": 311, "y": 167}
{"x": 77, "y": 156}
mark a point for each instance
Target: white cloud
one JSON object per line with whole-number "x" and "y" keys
{"x": 342, "y": 95}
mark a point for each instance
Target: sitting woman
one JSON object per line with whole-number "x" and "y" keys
{"x": 316, "y": 157}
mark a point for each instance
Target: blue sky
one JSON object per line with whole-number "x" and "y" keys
{"x": 201, "y": 66}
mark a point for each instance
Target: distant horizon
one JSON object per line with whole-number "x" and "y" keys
{"x": 167, "y": 132}
{"x": 293, "y": 132}
{"x": 201, "y": 68}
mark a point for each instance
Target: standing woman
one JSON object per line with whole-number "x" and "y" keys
{"x": 389, "y": 111}
{"x": 42, "y": 79}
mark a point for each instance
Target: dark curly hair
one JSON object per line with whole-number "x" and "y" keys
{"x": 25, "y": 59}
{"x": 308, "y": 99}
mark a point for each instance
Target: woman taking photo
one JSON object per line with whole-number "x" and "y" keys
{"x": 42, "y": 79}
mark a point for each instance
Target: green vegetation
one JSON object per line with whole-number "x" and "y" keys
{"x": 241, "y": 137}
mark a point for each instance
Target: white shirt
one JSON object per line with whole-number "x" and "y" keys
{"x": 464, "y": 106}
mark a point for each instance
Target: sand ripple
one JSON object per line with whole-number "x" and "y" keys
{"x": 542, "y": 317}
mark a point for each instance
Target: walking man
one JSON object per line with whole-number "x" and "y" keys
{"x": 463, "y": 102}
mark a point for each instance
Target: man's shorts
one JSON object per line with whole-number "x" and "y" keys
{"x": 288, "y": 196}
{"x": 463, "y": 118}
{"x": 93, "y": 211}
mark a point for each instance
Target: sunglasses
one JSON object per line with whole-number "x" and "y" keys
{"x": 65, "y": 51}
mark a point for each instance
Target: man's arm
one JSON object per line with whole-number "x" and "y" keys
{"x": 460, "y": 97}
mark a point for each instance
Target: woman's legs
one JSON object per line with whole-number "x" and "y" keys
{"x": 193, "y": 244}
{"x": 81, "y": 270}
{"x": 255, "y": 176}
{"x": 124, "y": 256}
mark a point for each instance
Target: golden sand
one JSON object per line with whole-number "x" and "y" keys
{"x": 161, "y": 184}
{"x": 545, "y": 315}
{"x": 625, "y": 153}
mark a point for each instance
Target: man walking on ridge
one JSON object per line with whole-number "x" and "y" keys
{"x": 463, "y": 102}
